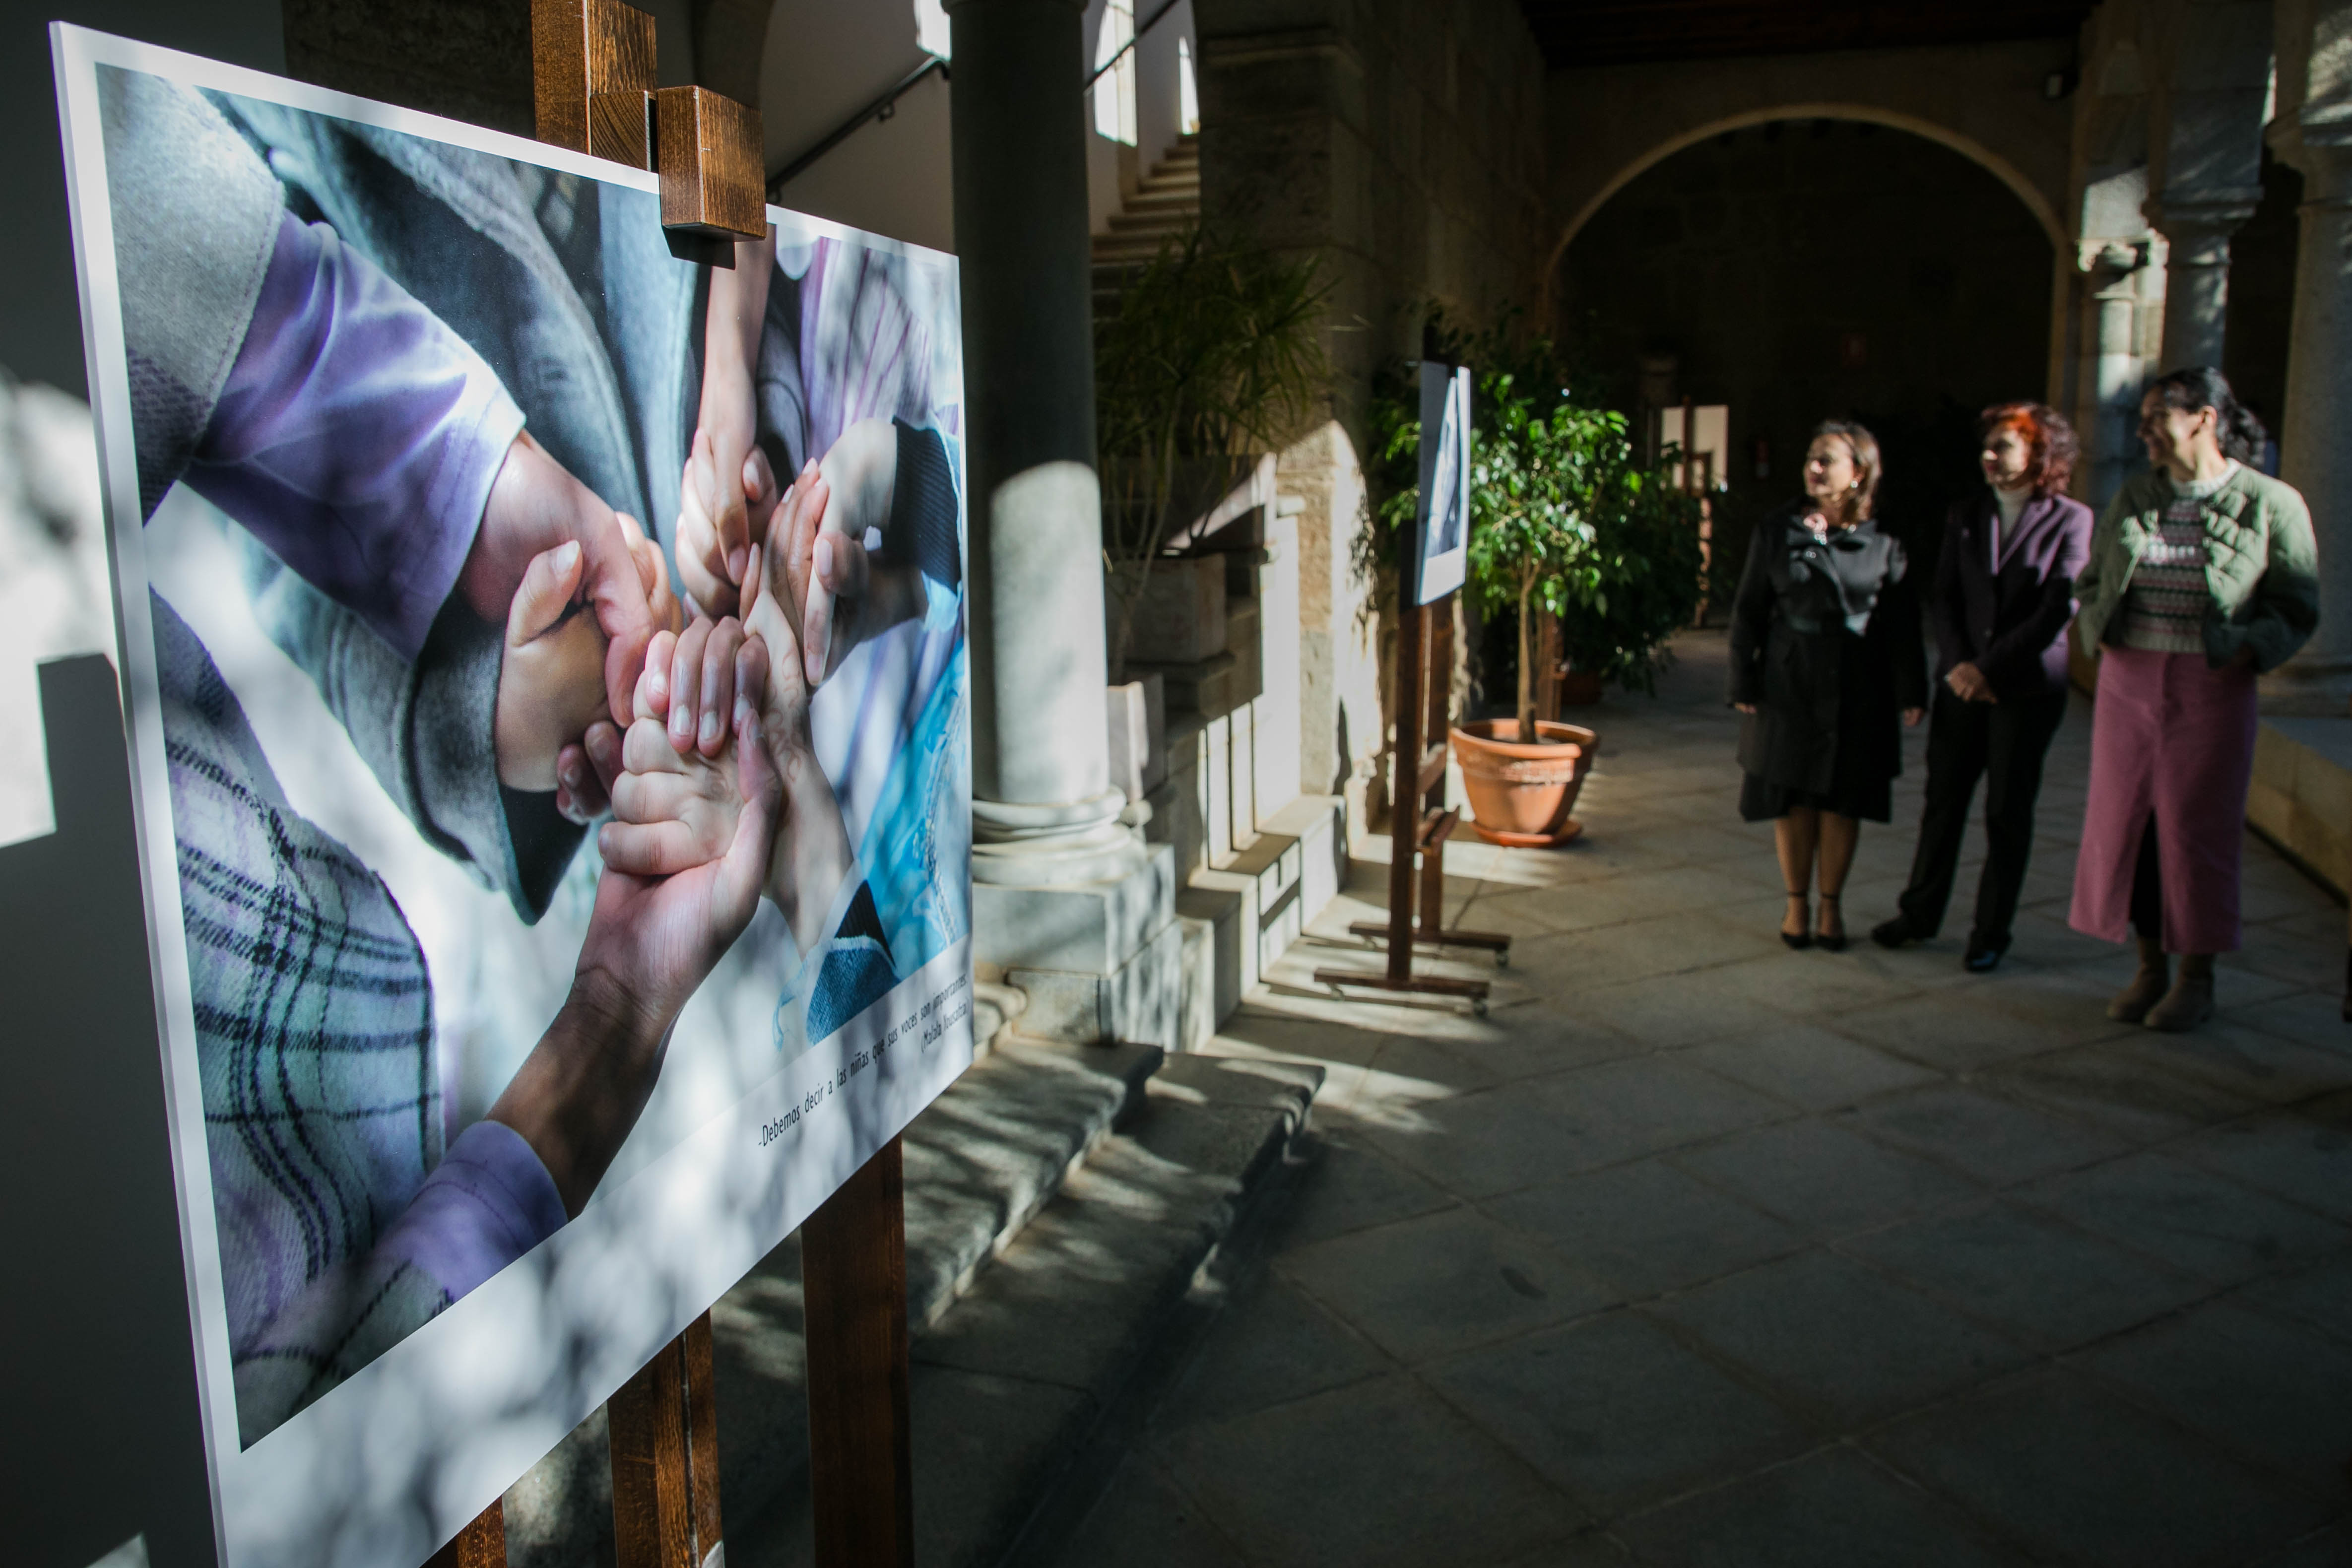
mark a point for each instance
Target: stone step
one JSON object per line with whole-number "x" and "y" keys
{"x": 1258, "y": 901}
{"x": 981, "y": 1162}
{"x": 1007, "y": 1388}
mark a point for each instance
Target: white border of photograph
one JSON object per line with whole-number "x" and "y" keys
{"x": 1442, "y": 573}
{"x": 394, "y": 1462}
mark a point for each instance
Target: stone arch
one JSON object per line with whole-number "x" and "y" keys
{"x": 2008, "y": 173}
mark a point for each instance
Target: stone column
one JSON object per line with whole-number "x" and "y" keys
{"x": 2197, "y": 230}
{"x": 1069, "y": 904}
{"x": 2124, "y": 274}
{"x": 2315, "y": 438}
{"x": 2314, "y": 132}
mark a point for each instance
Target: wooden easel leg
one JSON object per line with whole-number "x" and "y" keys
{"x": 1439, "y": 639}
{"x": 1405, "y": 791}
{"x": 854, "y": 1295}
{"x": 481, "y": 1544}
{"x": 664, "y": 1440}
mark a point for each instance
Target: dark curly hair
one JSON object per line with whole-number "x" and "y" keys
{"x": 2047, "y": 436}
{"x": 2240, "y": 434}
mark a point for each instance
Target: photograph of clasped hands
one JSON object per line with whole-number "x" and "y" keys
{"x": 398, "y": 406}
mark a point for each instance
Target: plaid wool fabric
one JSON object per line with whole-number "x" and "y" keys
{"x": 314, "y": 1029}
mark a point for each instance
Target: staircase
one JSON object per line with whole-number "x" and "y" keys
{"x": 1166, "y": 203}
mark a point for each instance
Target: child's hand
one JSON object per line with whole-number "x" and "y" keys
{"x": 552, "y": 673}
{"x": 583, "y": 780}
{"x": 813, "y": 853}
{"x": 676, "y": 809}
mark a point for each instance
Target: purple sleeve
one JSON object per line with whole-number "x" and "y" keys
{"x": 357, "y": 436}
{"x": 487, "y": 1203}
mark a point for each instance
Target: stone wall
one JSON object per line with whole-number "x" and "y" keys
{"x": 1401, "y": 142}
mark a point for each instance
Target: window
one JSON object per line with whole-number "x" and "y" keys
{"x": 1188, "y": 91}
{"x": 1115, "y": 89}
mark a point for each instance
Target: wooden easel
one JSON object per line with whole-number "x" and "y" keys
{"x": 594, "y": 91}
{"x": 1419, "y": 821}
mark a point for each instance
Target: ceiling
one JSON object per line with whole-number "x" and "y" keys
{"x": 1617, "y": 32}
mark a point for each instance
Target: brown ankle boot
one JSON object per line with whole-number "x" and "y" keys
{"x": 2147, "y": 988}
{"x": 2189, "y": 1002}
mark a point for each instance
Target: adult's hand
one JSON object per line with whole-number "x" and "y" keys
{"x": 813, "y": 853}
{"x": 583, "y": 777}
{"x": 1745, "y": 707}
{"x": 728, "y": 491}
{"x": 1969, "y": 683}
{"x": 534, "y": 506}
{"x": 651, "y": 941}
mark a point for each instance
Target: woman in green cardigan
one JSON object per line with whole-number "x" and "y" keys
{"x": 2202, "y": 575}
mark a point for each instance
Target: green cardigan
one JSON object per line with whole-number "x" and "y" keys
{"x": 2261, "y": 565}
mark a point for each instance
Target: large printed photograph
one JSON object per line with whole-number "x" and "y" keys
{"x": 558, "y": 659}
{"x": 1444, "y": 506}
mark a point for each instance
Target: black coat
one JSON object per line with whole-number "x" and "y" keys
{"x": 1825, "y": 642}
{"x": 2011, "y": 621}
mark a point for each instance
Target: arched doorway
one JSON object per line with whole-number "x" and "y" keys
{"x": 1797, "y": 270}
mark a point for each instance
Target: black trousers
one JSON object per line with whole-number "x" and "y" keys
{"x": 2002, "y": 744}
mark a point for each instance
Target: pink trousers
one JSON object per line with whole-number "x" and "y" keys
{"x": 2171, "y": 737}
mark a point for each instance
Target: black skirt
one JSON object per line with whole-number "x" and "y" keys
{"x": 1851, "y": 793}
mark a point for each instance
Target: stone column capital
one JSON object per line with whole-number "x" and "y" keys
{"x": 2200, "y": 224}
{"x": 2112, "y": 260}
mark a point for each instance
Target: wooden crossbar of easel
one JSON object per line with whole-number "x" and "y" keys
{"x": 594, "y": 91}
{"x": 1419, "y": 820}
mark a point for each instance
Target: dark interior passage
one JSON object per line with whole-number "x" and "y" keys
{"x": 1803, "y": 269}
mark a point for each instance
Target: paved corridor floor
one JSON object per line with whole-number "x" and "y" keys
{"x": 1701, "y": 1251}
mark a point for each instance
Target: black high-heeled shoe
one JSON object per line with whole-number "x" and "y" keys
{"x": 1831, "y": 942}
{"x": 1803, "y": 938}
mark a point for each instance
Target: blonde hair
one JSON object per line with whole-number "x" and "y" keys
{"x": 1862, "y": 500}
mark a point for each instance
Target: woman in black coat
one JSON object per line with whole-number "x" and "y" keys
{"x": 1825, "y": 654}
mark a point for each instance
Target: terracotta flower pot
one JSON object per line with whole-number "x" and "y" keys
{"x": 1520, "y": 795}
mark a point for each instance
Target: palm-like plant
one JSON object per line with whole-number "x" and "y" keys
{"x": 1214, "y": 357}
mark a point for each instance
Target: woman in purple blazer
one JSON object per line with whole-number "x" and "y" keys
{"x": 2002, "y": 597}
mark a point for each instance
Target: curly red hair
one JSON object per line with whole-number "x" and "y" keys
{"x": 2048, "y": 438}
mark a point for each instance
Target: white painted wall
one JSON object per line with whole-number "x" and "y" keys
{"x": 824, "y": 60}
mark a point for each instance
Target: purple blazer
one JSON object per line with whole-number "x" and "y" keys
{"x": 2010, "y": 618}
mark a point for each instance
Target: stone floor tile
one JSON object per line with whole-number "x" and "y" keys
{"x": 2188, "y": 1217}
{"x": 1608, "y": 955}
{"x": 1423, "y": 1288}
{"x": 1647, "y": 1228}
{"x": 1998, "y": 1142}
{"x": 2269, "y": 1388}
{"x": 2312, "y": 1017}
{"x": 2234, "y": 1055}
{"x": 1530, "y": 1037}
{"x": 1375, "y": 1473}
{"x": 1482, "y": 1145}
{"x": 1143, "y": 1520}
{"x": 1593, "y": 1549}
{"x": 1958, "y": 1033}
{"x": 1854, "y": 1346}
{"x": 1813, "y": 983}
{"x": 2078, "y": 1475}
{"x": 2320, "y": 1295}
{"x": 2286, "y": 1154}
{"x": 1832, "y": 1507}
{"x": 1616, "y": 1411}
{"x": 1623, "y": 1109}
{"x": 1824, "y": 1178}
{"x": 2111, "y": 1088}
{"x": 2328, "y": 1548}
{"x": 2043, "y": 1283}
{"x": 1270, "y": 1345}
{"x": 1351, "y": 1185}
{"x": 1709, "y": 1003}
{"x": 1809, "y": 1066}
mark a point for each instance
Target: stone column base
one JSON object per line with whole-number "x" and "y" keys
{"x": 1099, "y": 959}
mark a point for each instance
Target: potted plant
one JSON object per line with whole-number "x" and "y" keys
{"x": 1566, "y": 521}
{"x": 1213, "y": 352}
